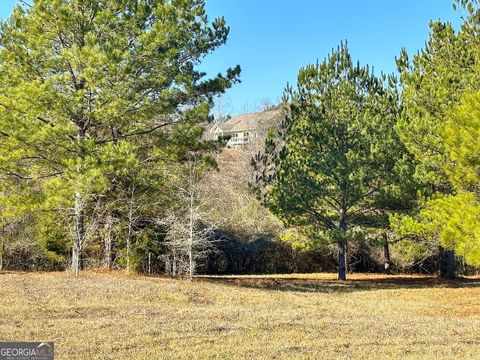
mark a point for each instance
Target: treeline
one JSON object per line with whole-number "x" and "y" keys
{"x": 101, "y": 105}
{"x": 103, "y": 162}
{"x": 369, "y": 157}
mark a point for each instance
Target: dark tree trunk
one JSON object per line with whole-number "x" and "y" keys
{"x": 386, "y": 255}
{"x": 447, "y": 263}
{"x": 346, "y": 257}
{"x": 342, "y": 248}
{"x": 342, "y": 267}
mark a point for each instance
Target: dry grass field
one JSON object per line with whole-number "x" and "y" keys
{"x": 114, "y": 316}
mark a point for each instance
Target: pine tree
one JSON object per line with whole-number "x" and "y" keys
{"x": 83, "y": 81}
{"x": 433, "y": 83}
{"x": 340, "y": 155}
{"x": 453, "y": 220}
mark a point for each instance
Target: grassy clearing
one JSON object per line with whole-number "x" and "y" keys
{"x": 110, "y": 316}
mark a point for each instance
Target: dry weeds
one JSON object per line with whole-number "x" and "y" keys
{"x": 114, "y": 316}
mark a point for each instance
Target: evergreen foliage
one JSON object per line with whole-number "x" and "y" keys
{"x": 92, "y": 92}
{"x": 340, "y": 157}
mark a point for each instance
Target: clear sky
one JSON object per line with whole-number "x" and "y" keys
{"x": 272, "y": 39}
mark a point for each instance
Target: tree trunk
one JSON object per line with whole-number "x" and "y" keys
{"x": 342, "y": 268}
{"x": 346, "y": 257}
{"x": 447, "y": 263}
{"x": 190, "y": 239}
{"x": 2, "y": 251}
{"x": 386, "y": 255}
{"x": 168, "y": 266}
{"x": 129, "y": 237}
{"x": 128, "y": 250}
{"x": 130, "y": 225}
{"x": 342, "y": 248}
{"x": 191, "y": 262}
{"x": 79, "y": 203}
{"x": 174, "y": 265}
{"x": 107, "y": 259}
{"x": 79, "y": 234}
{"x": 149, "y": 263}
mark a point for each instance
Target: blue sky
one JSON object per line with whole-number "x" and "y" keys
{"x": 272, "y": 39}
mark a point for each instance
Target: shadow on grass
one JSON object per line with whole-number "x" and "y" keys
{"x": 326, "y": 286}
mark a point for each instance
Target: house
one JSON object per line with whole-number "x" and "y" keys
{"x": 241, "y": 130}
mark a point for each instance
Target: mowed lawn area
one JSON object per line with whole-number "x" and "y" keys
{"x": 115, "y": 316}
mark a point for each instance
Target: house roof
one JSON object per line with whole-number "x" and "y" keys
{"x": 245, "y": 122}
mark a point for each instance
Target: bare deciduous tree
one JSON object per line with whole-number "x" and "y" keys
{"x": 189, "y": 235}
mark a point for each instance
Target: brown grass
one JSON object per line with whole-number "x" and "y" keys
{"x": 114, "y": 316}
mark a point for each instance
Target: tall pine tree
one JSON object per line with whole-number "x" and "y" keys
{"x": 433, "y": 83}
{"x": 82, "y": 81}
{"x": 340, "y": 155}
